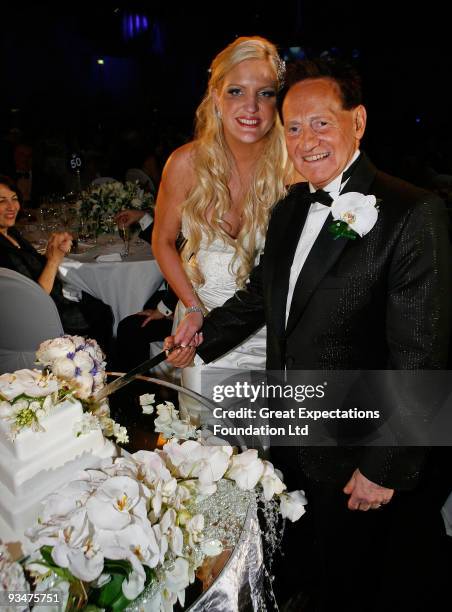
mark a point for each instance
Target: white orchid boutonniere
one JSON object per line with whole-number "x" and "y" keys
{"x": 354, "y": 215}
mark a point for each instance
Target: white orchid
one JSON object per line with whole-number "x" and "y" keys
{"x": 116, "y": 503}
{"x": 246, "y": 469}
{"x": 357, "y": 210}
{"x": 292, "y": 505}
{"x": 143, "y": 509}
{"x": 177, "y": 579}
{"x": 270, "y": 481}
{"x": 32, "y": 383}
{"x": 146, "y": 399}
{"x": 50, "y": 351}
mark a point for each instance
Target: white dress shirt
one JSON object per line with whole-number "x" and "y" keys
{"x": 145, "y": 221}
{"x": 317, "y": 215}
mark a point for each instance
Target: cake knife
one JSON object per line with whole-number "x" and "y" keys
{"x": 125, "y": 379}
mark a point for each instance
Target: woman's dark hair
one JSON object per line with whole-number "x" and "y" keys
{"x": 11, "y": 184}
{"x": 342, "y": 73}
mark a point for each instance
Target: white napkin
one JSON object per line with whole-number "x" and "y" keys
{"x": 109, "y": 257}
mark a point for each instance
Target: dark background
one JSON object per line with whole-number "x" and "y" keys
{"x": 156, "y": 55}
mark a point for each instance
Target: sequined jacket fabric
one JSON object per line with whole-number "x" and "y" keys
{"x": 377, "y": 302}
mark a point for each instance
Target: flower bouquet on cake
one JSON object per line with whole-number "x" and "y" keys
{"x": 102, "y": 202}
{"x": 74, "y": 371}
{"x": 133, "y": 533}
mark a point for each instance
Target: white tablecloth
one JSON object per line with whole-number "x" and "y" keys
{"x": 124, "y": 285}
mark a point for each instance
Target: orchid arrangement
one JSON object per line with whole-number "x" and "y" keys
{"x": 134, "y": 525}
{"x": 74, "y": 370}
{"x": 102, "y": 202}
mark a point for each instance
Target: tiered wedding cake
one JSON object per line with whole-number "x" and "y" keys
{"x": 50, "y": 428}
{"x": 38, "y": 463}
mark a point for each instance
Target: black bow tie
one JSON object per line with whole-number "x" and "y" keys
{"x": 319, "y": 196}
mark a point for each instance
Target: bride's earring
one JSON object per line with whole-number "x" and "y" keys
{"x": 218, "y": 113}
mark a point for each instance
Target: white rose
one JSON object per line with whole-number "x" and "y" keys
{"x": 85, "y": 385}
{"x": 64, "y": 368}
{"x": 292, "y": 505}
{"x": 147, "y": 409}
{"x": 83, "y": 361}
{"x": 50, "y": 350}
{"x": 246, "y": 469}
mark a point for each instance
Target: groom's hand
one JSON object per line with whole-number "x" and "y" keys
{"x": 183, "y": 356}
{"x": 365, "y": 494}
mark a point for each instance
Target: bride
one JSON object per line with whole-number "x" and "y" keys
{"x": 218, "y": 191}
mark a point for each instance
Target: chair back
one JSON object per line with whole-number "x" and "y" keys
{"x": 28, "y": 316}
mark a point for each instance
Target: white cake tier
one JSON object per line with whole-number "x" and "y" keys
{"x": 58, "y": 426}
{"x": 53, "y": 458}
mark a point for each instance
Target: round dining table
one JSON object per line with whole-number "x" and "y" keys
{"x": 124, "y": 283}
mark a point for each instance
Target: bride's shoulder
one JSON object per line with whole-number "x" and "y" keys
{"x": 180, "y": 163}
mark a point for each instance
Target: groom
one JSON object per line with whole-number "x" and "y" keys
{"x": 380, "y": 301}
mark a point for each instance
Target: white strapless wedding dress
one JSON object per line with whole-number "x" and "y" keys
{"x": 214, "y": 260}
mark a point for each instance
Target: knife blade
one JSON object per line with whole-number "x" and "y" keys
{"x": 125, "y": 379}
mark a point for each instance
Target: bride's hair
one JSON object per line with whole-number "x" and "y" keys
{"x": 212, "y": 162}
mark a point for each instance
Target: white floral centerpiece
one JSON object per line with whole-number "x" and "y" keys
{"x": 136, "y": 524}
{"x": 75, "y": 370}
{"x": 101, "y": 202}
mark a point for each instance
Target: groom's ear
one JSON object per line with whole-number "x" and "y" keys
{"x": 359, "y": 121}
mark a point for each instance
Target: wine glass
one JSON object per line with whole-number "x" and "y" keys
{"x": 110, "y": 225}
{"x": 124, "y": 233}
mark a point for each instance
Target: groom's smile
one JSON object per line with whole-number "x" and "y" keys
{"x": 321, "y": 135}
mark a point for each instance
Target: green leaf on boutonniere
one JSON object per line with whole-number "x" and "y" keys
{"x": 340, "y": 229}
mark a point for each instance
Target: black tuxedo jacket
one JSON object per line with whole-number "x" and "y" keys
{"x": 377, "y": 302}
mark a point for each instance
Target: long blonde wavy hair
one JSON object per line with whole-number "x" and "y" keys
{"x": 212, "y": 161}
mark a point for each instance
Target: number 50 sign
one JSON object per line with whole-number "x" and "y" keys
{"x": 75, "y": 163}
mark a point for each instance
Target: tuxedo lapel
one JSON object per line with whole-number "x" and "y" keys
{"x": 363, "y": 176}
{"x": 321, "y": 258}
{"x": 285, "y": 244}
{"x": 326, "y": 249}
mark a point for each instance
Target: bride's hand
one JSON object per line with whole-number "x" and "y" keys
{"x": 181, "y": 357}
{"x": 188, "y": 327}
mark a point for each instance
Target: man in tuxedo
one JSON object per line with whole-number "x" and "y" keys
{"x": 380, "y": 301}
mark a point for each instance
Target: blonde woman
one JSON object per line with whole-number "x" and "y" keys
{"x": 219, "y": 190}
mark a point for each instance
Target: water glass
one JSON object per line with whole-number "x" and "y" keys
{"x": 124, "y": 233}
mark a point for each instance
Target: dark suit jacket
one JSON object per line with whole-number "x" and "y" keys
{"x": 377, "y": 302}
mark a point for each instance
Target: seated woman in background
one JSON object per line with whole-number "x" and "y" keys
{"x": 89, "y": 317}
